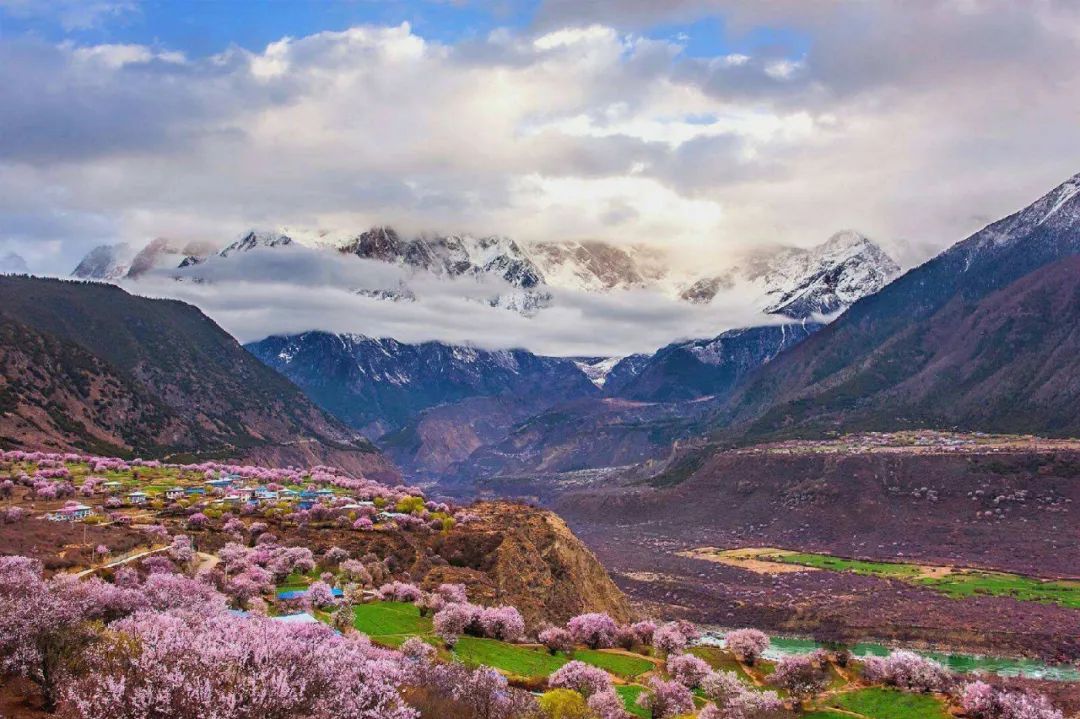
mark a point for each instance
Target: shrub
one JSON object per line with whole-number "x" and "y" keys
{"x": 800, "y": 676}
{"x": 665, "y": 700}
{"x": 747, "y": 644}
{"x": 556, "y": 639}
{"x": 607, "y": 705}
{"x": 687, "y": 669}
{"x": 580, "y": 677}
{"x": 596, "y": 629}
{"x": 907, "y": 670}
{"x": 450, "y": 622}
{"x": 503, "y": 623}
{"x": 979, "y": 700}
{"x": 669, "y": 638}
{"x": 564, "y": 704}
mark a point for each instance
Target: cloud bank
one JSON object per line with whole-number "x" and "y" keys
{"x": 294, "y": 289}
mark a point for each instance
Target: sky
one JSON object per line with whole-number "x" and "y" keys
{"x": 703, "y": 126}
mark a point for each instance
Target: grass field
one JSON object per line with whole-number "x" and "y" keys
{"x": 878, "y": 703}
{"x": 629, "y": 694}
{"x": 621, "y": 665}
{"x": 721, "y": 660}
{"x": 512, "y": 658}
{"x": 957, "y": 583}
{"x": 391, "y": 623}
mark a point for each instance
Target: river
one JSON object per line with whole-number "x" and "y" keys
{"x": 962, "y": 663}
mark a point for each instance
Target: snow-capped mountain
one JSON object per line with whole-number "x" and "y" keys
{"x": 800, "y": 283}
{"x": 256, "y": 239}
{"x": 523, "y": 277}
{"x": 950, "y": 343}
{"x": 121, "y": 261}
{"x": 599, "y": 266}
{"x": 105, "y": 262}
{"x": 380, "y": 385}
{"x": 705, "y": 367}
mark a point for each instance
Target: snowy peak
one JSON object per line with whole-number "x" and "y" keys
{"x": 798, "y": 283}
{"x": 801, "y": 283}
{"x": 598, "y": 266}
{"x": 829, "y": 278}
{"x": 105, "y": 262}
{"x": 1056, "y": 213}
{"x": 254, "y": 239}
{"x": 596, "y": 369}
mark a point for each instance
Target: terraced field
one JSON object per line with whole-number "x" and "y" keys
{"x": 951, "y": 581}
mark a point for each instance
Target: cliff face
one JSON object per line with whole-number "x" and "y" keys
{"x": 540, "y": 562}
{"x": 513, "y": 554}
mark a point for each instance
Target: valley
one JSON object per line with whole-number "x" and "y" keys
{"x": 961, "y": 541}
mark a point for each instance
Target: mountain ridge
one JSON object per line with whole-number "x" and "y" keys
{"x": 843, "y": 367}
{"x": 156, "y": 377}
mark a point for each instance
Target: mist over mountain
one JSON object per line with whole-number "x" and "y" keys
{"x": 950, "y": 343}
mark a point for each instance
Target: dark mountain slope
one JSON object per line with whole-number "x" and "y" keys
{"x": 699, "y": 368}
{"x": 381, "y": 385}
{"x": 89, "y": 366}
{"x": 843, "y": 375}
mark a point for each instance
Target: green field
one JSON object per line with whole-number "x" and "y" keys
{"x": 515, "y": 659}
{"x": 391, "y": 623}
{"x": 957, "y": 584}
{"x": 721, "y": 660}
{"x": 878, "y": 703}
{"x": 621, "y": 665}
{"x": 629, "y": 694}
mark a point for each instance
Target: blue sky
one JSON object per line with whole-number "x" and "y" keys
{"x": 205, "y": 27}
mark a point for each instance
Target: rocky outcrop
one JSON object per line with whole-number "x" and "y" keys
{"x": 512, "y": 554}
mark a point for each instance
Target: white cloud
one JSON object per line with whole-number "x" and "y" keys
{"x": 302, "y": 289}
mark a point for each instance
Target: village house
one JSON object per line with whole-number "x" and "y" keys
{"x": 174, "y": 493}
{"x": 71, "y": 513}
{"x": 112, "y": 487}
{"x": 136, "y": 497}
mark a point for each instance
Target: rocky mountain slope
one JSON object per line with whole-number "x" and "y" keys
{"x": 453, "y": 411}
{"x": 380, "y": 385}
{"x": 709, "y": 367}
{"x": 801, "y": 283}
{"x": 88, "y": 366}
{"x": 979, "y": 337}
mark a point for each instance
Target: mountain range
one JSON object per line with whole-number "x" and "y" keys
{"x": 792, "y": 282}
{"x": 981, "y": 337}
